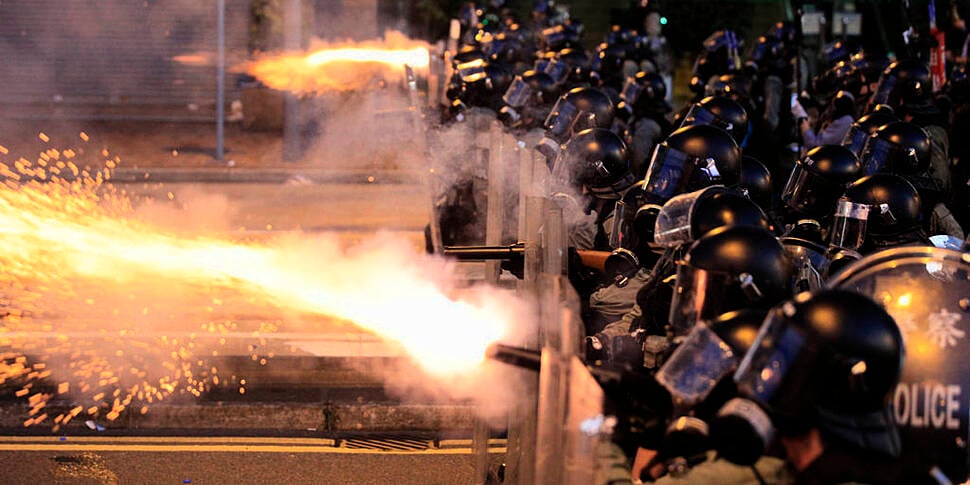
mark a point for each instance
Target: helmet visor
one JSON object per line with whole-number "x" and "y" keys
{"x": 672, "y": 171}
{"x": 666, "y": 173}
{"x": 699, "y": 294}
{"x": 518, "y": 93}
{"x": 883, "y": 90}
{"x": 623, "y": 234}
{"x": 673, "y": 226}
{"x": 875, "y": 155}
{"x": 631, "y": 91}
{"x": 559, "y": 123}
{"x": 557, "y": 70}
{"x": 810, "y": 194}
{"x": 540, "y": 65}
{"x": 772, "y": 359}
{"x": 699, "y": 115}
{"x": 696, "y": 366}
{"x": 798, "y": 192}
{"x": 855, "y": 139}
{"x": 849, "y": 225}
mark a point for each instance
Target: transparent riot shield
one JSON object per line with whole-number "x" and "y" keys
{"x": 927, "y": 291}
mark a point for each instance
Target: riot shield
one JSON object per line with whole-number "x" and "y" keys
{"x": 927, "y": 291}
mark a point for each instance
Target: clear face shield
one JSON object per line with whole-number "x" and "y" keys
{"x": 673, "y": 225}
{"x": 557, "y": 70}
{"x": 623, "y": 234}
{"x": 518, "y": 93}
{"x": 540, "y": 65}
{"x": 805, "y": 190}
{"x": 701, "y": 294}
{"x": 776, "y": 355}
{"x": 696, "y": 366}
{"x": 883, "y": 89}
{"x": 699, "y": 115}
{"x": 561, "y": 120}
{"x": 877, "y": 152}
{"x": 672, "y": 171}
{"x": 849, "y": 225}
{"x": 855, "y": 139}
{"x": 631, "y": 91}
{"x": 563, "y": 171}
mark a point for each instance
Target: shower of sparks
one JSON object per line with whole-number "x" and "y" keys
{"x": 131, "y": 314}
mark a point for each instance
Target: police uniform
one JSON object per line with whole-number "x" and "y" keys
{"x": 609, "y": 306}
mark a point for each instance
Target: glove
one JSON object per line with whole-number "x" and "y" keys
{"x": 798, "y": 111}
{"x": 595, "y": 351}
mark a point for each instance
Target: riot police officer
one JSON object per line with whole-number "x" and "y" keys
{"x": 579, "y": 109}
{"x": 815, "y": 185}
{"x": 643, "y": 110}
{"x": 878, "y": 211}
{"x": 820, "y": 375}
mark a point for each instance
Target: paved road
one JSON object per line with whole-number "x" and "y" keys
{"x": 237, "y": 461}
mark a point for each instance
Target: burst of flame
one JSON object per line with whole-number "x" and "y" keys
{"x": 340, "y": 67}
{"x": 74, "y": 254}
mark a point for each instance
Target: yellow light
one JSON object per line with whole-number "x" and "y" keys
{"x": 340, "y": 67}
{"x": 905, "y": 299}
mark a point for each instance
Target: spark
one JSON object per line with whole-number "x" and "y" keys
{"x": 115, "y": 296}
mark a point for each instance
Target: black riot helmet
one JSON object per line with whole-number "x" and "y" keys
{"x": 531, "y": 88}
{"x": 578, "y": 63}
{"x": 733, "y": 85}
{"x": 595, "y": 159}
{"x": 483, "y": 82}
{"x": 957, "y": 86}
{"x": 722, "y": 112}
{"x": 527, "y": 95}
{"x": 729, "y": 268}
{"x": 756, "y": 181}
{"x": 720, "y": 55}
{"x": 769, "y": 54}
{"x": 818, "y": 180}
{"x": 687, "y": 217}
{"x": 829, "y": 360}
{"x": 866, "y": 125}
{"x": 691, "y": 158}
{"x": 579, "y": 109}
{"x": 644, "y": 94}
{"x": 468, "y": 53}
{"x": 902, "y": 148}
{"x": 559, "y": 37}
{"x": 840, "y": 77}
{"x": 903, "y": 82}
{"x": 877, "y": 210}
{"x": 607, "y": 65}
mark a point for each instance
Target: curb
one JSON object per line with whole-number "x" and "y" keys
{"x": 241, "y": 418}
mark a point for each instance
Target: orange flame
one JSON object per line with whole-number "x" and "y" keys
{"x": 76, "y": 256}
{"x": 340, "y": 67}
